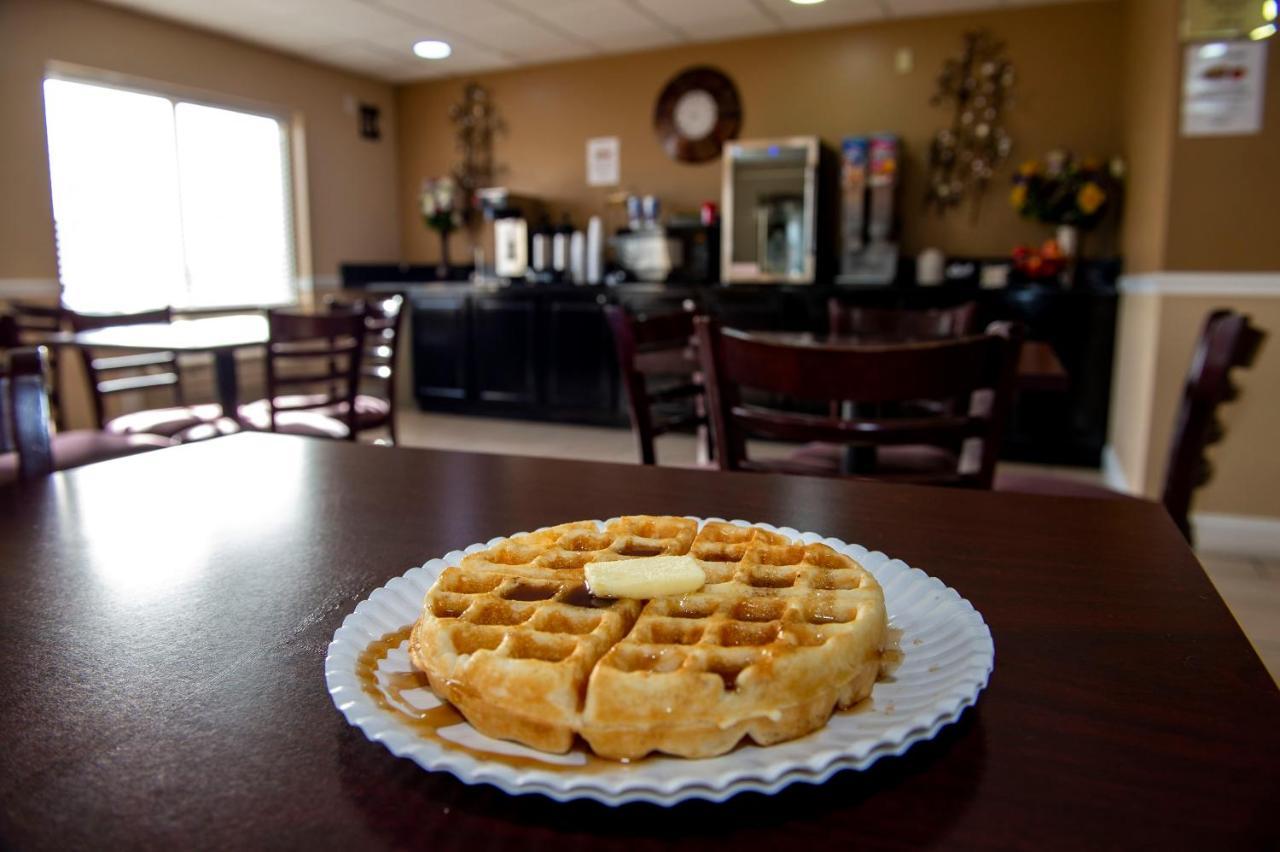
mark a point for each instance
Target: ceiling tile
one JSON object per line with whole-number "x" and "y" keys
{"x": 448, "y": 14}
{"x": 711, "y": 20}
{"x": 828, "y": 14}
{"x": 375, "y": 36}
{"x": 604, "y": 23}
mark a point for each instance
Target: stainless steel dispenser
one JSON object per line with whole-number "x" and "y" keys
{"x": 773, "y": 228}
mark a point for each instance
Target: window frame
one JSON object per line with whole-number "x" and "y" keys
{"x": 292, "y": 151}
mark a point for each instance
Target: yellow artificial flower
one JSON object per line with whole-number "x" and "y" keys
{"x": 1018, "y": 196}
{"x": 1090, "y": 198}
{"x": 1029, "y": 168}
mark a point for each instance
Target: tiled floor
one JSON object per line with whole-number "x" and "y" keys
{"x": 1251, "y": 587}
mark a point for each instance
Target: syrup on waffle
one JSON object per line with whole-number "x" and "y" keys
{"x": 779, "y": 636}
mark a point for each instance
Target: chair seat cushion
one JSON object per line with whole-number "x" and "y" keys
{"x": 1054, "y": 486}
{"x": 204, "y": 431}
{"x": 315, "y": 423}
{"x": 371, "y": 411}
{"x": 86, "y": 446}
{"x": 906, "y": 463}
{"x": 164, "y": 421}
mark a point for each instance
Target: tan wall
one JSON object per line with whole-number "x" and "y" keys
{"x": 831, "y": 83}
{"x": 1133, "y": 384}
{"x": 1224, "y": 202}
{"x": 351, "y": 182}
{"x": 1205, "y": 205}
{"x": 1246, "y": 466}
{"x": 1149, "y": 124}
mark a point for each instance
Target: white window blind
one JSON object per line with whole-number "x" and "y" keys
{"x": 159, "y": 201}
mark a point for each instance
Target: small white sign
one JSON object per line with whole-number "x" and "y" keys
{"x": 604, "y": 158}
{"x": 1222, "y": 88}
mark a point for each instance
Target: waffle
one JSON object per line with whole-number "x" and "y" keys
{"x": 779, "y": 636}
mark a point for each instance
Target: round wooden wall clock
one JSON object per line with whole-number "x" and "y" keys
{"x": 696, "y": 114}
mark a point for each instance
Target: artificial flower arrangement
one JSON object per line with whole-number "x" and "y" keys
{"x": 1065, "y": 191}
{"x": 438, "y": 202}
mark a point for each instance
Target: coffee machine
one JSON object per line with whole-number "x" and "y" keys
{"x": 505, "y": 236}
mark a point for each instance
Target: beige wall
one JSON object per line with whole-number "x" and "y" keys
{"x": 1149, "y": 119}
{"x": 1207, "y": 206}
{"x": 351, "y": 182}
{"x": 1133, "y": 385}
{"x": 831, "y": 83}
{"x": 1224, "y": 203}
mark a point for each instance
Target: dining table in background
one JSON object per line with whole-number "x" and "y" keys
{"x": 219, "y": 336}
{"x": 1039, "y": 368}
{"x": 164, "y": 667}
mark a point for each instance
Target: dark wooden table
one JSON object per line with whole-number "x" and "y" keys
{"x": 166, "y": 618}
{"x": 220, "y": 336}
{"x": 1039, "y": 367}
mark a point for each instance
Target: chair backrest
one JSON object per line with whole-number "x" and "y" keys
{"x": 24, "y": 412}
{"x": 316, "y": 353}
{"x": 650, "y": 346}
{"x": 32, "y": 322}
{"x": 1227, "y": 341}
{"x": 973, "y": 376}
{"x": 9, "y": 334}
{"x": 110, "y": 374}
{"x": 928, "y": 324}
{"x": 382, "y": 337}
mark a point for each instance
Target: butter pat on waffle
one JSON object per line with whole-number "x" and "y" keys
{"x": 780, "y": 634}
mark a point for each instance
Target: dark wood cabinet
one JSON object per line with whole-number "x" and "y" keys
{"x": 580, "y": 359}
{"x": 441, "y": 337}
{"x": 546, "y": 352}
{"x": 504, "y": 350}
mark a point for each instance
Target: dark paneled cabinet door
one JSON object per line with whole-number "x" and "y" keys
{"x": 504, "y": 332}
{"x": 440, "y": 338}
{"x": 581, "y": 364}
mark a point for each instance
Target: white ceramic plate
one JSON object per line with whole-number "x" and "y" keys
{"x": 947, "y": 657}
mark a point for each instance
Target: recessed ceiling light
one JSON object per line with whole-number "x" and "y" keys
{"x": 432, "y": 49}
{"x": 807, "y": 2}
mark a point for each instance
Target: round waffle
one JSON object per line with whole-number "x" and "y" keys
{"x": 780, "y": 635}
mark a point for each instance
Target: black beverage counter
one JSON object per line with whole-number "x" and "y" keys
{"x": 544, "y": 351}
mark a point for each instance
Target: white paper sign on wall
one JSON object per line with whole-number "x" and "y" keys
{"x": 1222, "y": 87}
{"x": 604, "y": 161}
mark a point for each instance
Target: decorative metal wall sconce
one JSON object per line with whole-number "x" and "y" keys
{"x": 475, "y": 121}
{"x": 964, "y": 157}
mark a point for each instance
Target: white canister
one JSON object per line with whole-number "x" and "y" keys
{"x": 578, "y": 257}
{"x": 595, "y": 250}
{"x": 929, "y": 267}
{"x": 540, "y": 253}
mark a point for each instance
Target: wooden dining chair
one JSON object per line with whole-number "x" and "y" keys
{"x": 313, "y": 375}
{"x": 28, "y": 449}
{"x": 376, "y": 401}
{"x": 112, "y": 374}
{"x": 32, "y": 322}
{"x": 956, "y": 446}
{"x": 659, "y": 349}
{"x": 1227, "y": 341}
{"x": 851, "y": 319}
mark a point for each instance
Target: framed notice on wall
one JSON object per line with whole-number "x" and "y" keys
{"x": 1222, "y": 88}
{"x": 604, "y": 165}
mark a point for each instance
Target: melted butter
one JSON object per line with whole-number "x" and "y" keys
{"x": 389, "y": 696}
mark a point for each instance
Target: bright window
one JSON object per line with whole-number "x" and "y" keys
{"x": 159, "y": 201}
